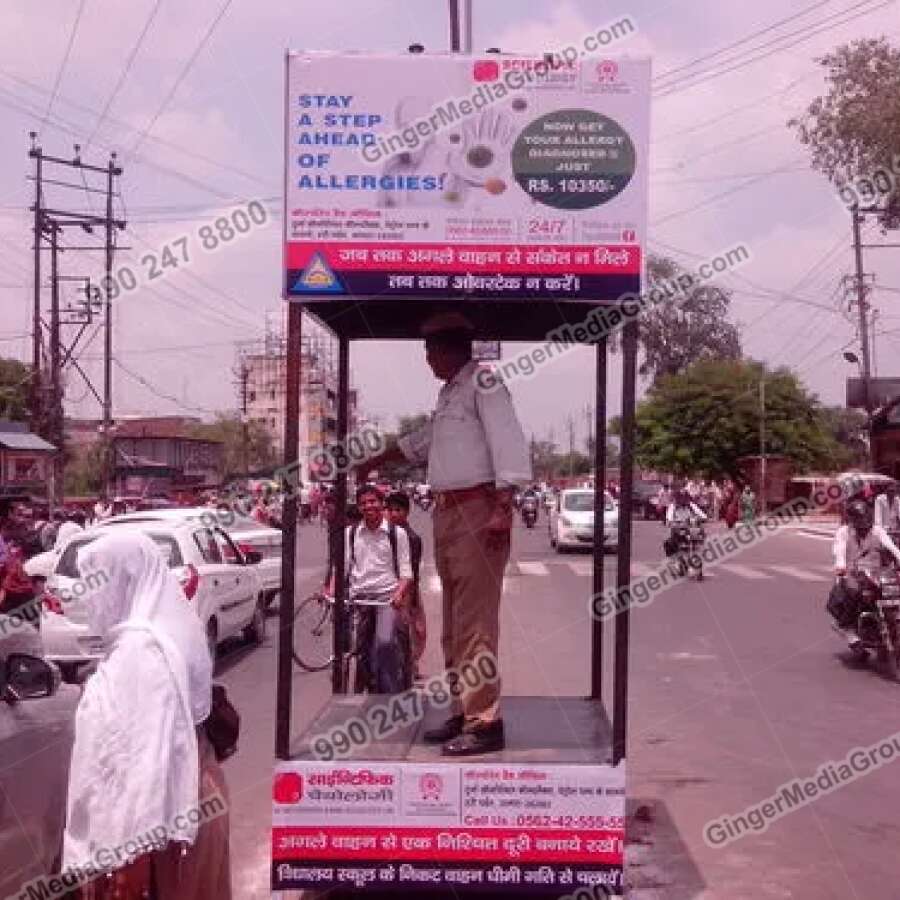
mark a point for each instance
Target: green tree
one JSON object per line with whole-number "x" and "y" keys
{"x": 703, "y": 420}
{"x": 854, "y": 129}
{"x": 848, "y": 427}
{"x": 83, "y": 475}
{"x": 228, "y": 428}
{"x": 404, "y": 471}
{"x": 15, "y": 377}
{"x": 675, "y": 335}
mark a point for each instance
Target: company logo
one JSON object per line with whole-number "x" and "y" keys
{"x": 288, "y": 788}
{"x": 607, "y": 71}
{"x": 318, "y": 278}
{"x": 431, "y": 786}
{"x": 486, "y": 70}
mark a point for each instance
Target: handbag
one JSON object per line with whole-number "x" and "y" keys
{"x": 223, "y": 725}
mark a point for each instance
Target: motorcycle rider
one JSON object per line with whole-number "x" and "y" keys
{"x": 887, "y": 508}
{"x": 680, "y": 512}
{"x": 858, "y": 542}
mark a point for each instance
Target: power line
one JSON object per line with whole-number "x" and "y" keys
{"x": 124, "y": 74}
{"x": 161, "y": 394}
{"x": 65, "y": 59}
{"x": 665, "y": 75}
{"x": 182, "y": 75}
{"x": 702, "y": 77}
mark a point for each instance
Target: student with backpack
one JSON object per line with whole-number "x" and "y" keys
{"x": 380, "y": 578}
{"x": 398, "y": 514}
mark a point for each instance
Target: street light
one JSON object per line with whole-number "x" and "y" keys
{"x": 851, "y": 357}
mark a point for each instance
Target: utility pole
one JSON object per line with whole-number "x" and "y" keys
{"x": 762, "y": 444}
{"x": 244, "y": 378}
{"x": 863, "y": 313}
{"x": 570, "y": 425}
{"x": 50, "y": 222}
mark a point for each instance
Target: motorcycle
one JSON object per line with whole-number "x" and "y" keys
{"x": 685, "y": 542}
{"x": 529, "y": 512}
{"x": 878, "y": 591}
{"x": 425, "y": 502}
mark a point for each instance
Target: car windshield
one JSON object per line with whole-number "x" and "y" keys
{"x": 584, "y": 502}
{"x": 68, "y": 562}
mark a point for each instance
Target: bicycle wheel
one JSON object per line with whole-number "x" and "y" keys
{"x": 313, "y": 644}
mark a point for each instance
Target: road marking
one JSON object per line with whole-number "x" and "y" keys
{"x": 794, "y": 572}
{"x": 642, "y": 569}
{"x": 743, "y": 571}
{"x": 583, "y": 569}
{"x": 532, "y": 568}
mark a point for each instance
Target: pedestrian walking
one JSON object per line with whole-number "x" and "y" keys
{"x": 748, "y": 505}
{"x": 397, "y": 508}
{"x": 477, "y": 455}
{"x": 379, "y": 578}
{"x": 142, "y": 770}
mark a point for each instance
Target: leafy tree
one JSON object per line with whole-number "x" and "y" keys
{"x": 848, "y": 427}
{"x": 675, "y": 335}
{"x": 854, "y": 129}
{"x": 228, "y": 428}
{"x": 83, "y": 475}
{"x": 15, "y": 378}
{"x": 404, "y": 471}
{"x": 703, "y": 420}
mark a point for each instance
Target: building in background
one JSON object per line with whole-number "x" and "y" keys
{"x": 25, "y": 461}
{"x": 152, "y": 455}
{"x": 261, "y": 372}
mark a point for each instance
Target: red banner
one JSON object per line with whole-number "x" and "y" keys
{"x": 448, "y": 844}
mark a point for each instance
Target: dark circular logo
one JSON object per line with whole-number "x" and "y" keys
{"x": 573, "y": 159}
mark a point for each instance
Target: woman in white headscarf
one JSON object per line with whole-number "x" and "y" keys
{"x": 141, "y": 762}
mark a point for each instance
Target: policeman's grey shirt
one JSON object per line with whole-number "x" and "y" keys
{"x": 473, "y": 437}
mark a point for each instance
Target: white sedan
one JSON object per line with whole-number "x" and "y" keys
{"x": 247, "y": 534}
{"x": 571, "y": 520}
{"x": 221, "y": 584}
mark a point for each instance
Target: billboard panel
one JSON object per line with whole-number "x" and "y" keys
{"x": 456, "y": 176}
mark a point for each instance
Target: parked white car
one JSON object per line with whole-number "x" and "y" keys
{"x": 571, "y": 520}
{"x": 220, "y": 582}
{"x": 247, "y": 534}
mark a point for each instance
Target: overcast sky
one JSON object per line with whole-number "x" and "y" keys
{"x": 193, "y": 98}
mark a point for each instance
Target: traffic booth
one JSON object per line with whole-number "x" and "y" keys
{"x": 514, "y": 190}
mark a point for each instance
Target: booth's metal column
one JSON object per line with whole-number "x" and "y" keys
{"x": 626, "y": 478}
{"x": 289, "y": 536}
{"x": 599, "y": 503}
{"x": 338, "y": 672}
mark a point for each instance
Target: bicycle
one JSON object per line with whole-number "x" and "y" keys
{"x": 314, "y": 620}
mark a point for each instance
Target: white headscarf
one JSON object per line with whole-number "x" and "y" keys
{"x": 65, "y": 533}
{"x": 135, "y": 762}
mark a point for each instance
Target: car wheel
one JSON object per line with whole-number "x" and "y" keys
{"x": 270, "y": 598}
{"x": 69, "y": 672}
{"x": 212, "y": 639}
{"x": 255, "y": 632}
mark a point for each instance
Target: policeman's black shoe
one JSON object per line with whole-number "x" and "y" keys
{"x": 450, "y": 729}
{"x": 484, "y": 739}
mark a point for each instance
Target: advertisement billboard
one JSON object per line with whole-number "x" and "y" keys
{"x": 454, "y": 176}
{"x": 544, "y": 829}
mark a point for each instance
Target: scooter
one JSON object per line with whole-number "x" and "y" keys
{"x": 686, "y": 540}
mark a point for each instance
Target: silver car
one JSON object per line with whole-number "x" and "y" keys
{"x": 37, "y": 730}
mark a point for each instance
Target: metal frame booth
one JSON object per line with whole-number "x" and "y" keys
{"x": 554, "y": 738}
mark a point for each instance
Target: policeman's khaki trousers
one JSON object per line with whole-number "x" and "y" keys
{"x": 471, "y": 573}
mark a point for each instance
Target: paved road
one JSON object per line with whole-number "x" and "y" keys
{"x": 737, "y": 686}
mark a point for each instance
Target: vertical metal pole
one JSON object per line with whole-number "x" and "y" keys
{"x": 863, "y": 310}
{"x": 455, "y": 35}
{"x": 107, "y": 329}
{"x": 36, "y": 386}
{"x": 762, "y": 444}
{"x": 466, "y": 26}
{"x": 623, "y": 575}
{"x": 599, "y": 504}
{"x": 55, "y": 373}
{"x": 289, "y": 538}
{"x": 338, "y": 682}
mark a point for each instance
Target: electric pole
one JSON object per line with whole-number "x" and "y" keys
{"x": 50, "y": 222}
{"x": 863, "y": 313}
{"x": 762, "y": 444}
{"x": 244, "y": 378}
